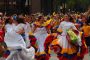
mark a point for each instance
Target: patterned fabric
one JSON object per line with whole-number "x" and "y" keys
{"x": 67, "y": 49}
{"x": 73, "y": 36}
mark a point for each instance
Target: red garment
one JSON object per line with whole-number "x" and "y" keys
{"x": 32, "y": 40}
{"x": 48, "y": 41}
{"x": 49, "y": 26}
{"x": 62, "y": 58}
{"x": 1, "y": 35}
{"x": 84, "y": 49}
{"x": 43, "y": 57}
{"x": 5, "y": 55}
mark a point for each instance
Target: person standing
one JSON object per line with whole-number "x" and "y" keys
{"x": 14, "y": 38}
{"x": 3, "y": 46}
{"x": 68, "y": 50}
{"x": 86, "y": 30}
{"x": 40, "y": 33}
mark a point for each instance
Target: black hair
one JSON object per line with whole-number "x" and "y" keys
{"x": 71, "y": 19}
{"x": 86, "y": 23}
{"x": 39, "y": 17}
{"x": 48, "y": 18}
{"x": 7, "y": 21}
{"x": 20, "y": 20}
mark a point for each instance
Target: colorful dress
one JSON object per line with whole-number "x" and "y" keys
{"x": 51, "y": 46}
{"x": 68, "y": 51}
{"x": 40, "y": 34}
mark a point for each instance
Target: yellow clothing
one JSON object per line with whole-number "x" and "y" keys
{"x": 86, "y": 30}
{"x": 47, "y": 22}
{"x": 69, "y": 50}
{"x": 55, "y": 42}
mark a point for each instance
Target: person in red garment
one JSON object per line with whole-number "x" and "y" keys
{"x": 3, "y": 46}
{"x": 69, "y": 50}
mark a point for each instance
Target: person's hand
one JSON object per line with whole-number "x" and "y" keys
{"x": 88, "y": 12}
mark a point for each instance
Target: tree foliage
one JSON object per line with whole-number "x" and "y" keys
{"x": 75, "y": 4}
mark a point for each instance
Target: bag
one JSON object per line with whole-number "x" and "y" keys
{"x": 72, "y": 36}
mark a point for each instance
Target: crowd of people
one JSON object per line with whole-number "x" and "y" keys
{"x": 35, "y": 36}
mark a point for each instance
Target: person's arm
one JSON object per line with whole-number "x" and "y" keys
{"x": 73, "y": 27}
{"x": 21, "y": 31}
{"x": 60, "y": 27}
{"x": 87, "y": 13}
{"x": 34, "y": 28}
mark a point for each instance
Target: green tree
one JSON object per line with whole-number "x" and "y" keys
{"x": 73, "y": 4}
{"x": 76, "y": 4}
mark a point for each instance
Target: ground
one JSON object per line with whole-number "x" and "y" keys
{"x": 87, "y": 57}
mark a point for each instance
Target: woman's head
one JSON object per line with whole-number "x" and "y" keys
{"x": 20, "y": 20}
{"x": 8, "y": 20}
{"x": 28, "y": 19}
{"x": 41, "y": 19}
{"x": 66, "y": 17}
